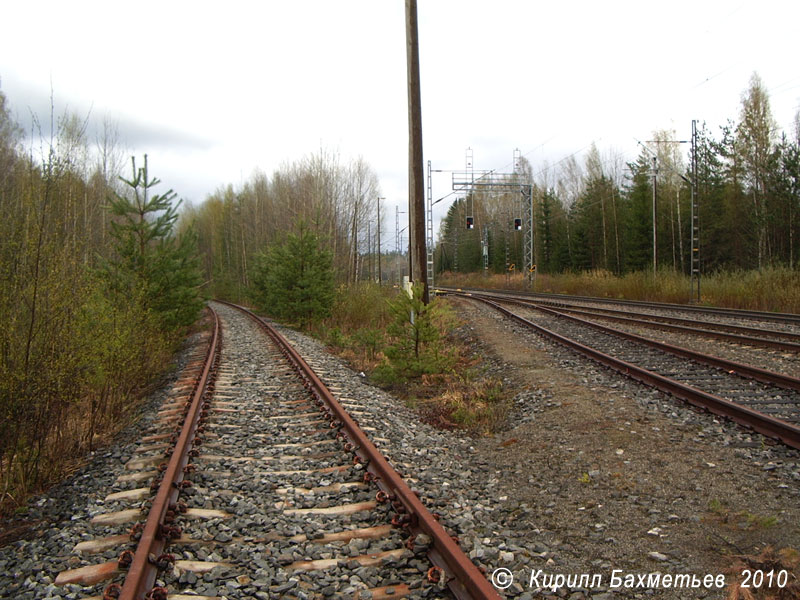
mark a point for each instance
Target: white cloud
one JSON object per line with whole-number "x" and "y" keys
{"x": 213, "y": 91}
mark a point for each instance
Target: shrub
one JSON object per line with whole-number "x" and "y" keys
{"x": 416, "y": 331}
{"x": 293, "y": 281}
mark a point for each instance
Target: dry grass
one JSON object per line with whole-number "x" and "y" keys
{"x": 744, "y": 588}
{"x": 772, "y": 289}
{"x": 459, "y": 398}
{"x": 478, "y": 407}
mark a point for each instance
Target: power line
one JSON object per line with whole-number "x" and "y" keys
{"x": 555, "y": 164}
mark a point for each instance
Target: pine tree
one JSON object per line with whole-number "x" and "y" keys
{"x": 418, "y": 346}
{"x": 151, "y": 262}
{"x": 294, "y": 281}
{"x": 639, "y": 243}
{"x": 783, "y": 184}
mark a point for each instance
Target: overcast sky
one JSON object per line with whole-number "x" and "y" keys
{"x": 213, "y": 91}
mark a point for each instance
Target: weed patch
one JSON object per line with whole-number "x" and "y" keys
{"x": 743, "y": 519}
{"x": 477, "y": 406}
{"x": 420, "y": 360}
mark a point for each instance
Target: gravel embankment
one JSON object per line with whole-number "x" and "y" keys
{"x": 608, "y": 474}
{"x": 593, "y": 473}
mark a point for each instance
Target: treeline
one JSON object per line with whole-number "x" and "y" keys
{"x": 598, "y": 214}
{"x": 95, "y": 288}
{"x": 336, "y": 203}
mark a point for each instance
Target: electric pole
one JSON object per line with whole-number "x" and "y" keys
{"x": 369, "y": 251}
{"x": 416, "y": 184}
{"x": 380, "y": 273}
{"x": 694, "y": 263}
{"x": 655, "y": 216}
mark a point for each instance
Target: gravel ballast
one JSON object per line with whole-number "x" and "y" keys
{"x": 592, "y": 474}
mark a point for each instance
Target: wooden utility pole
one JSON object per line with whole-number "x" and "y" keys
{"x": 416, "y": 182}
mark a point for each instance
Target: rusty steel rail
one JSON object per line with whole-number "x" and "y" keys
{"x": 737, "y": 313}
{"x": 757, "y": 373}
{"x": 785, "y": 381}
{"x": 764, "y": 424}
{"x": 743, "y": 335}
{"x": 142, "y": 571}
{"x": 464, "y": 579}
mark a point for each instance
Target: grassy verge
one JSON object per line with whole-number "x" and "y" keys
{"x": 444, "y": 382}
{"x": 468, "y": 402}
{"x": 772, "y": 289}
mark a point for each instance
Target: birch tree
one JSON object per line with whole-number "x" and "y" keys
{"x": 755, "y": 137}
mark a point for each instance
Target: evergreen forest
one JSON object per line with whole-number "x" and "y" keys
{"x": 596, "y": 212}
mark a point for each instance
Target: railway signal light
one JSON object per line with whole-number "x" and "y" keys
{"x": 518, "y": 224}
{"x": 470, "y": 223}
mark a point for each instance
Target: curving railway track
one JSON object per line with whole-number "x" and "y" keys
{"x": 256, "y": 482}
{"x": 766, "y": 401}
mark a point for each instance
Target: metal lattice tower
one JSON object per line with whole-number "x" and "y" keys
{"x": 429, "y": 228}
{"x": 491, "y": 181}
{"x": 397, "y": 230}
{"x": 506, "y": 235}
{"x": 485, "y": 248}
{"x": 455, "y": 250}
{"x": 694, "y": 264}
{"x": 527, "y": 201}
{"x": 527, "y": 215}
{"x": 469, "y": 176}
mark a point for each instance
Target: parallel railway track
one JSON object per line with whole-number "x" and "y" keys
{"x": 271, "y": 490}
{"x": 692, "y": 309}
{"x": 765, "y": 401}
{"x": 751, "y": 336}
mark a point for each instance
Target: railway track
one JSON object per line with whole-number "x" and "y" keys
{"x": 268, "y": 490}
{"x": 765, "y": 401}
{"x": 751, "y": 336}
{"x": 766, "y": 335}
{"x": 657, "y": 307}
